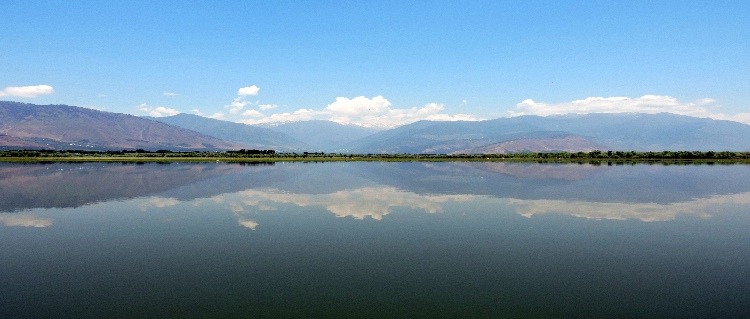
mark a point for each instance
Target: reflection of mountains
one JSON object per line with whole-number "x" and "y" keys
{"x": 641, "y": 183}
{"x": 526, "y": 170}
{"x": 25, "y": 186}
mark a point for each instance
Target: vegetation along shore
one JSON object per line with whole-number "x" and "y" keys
{"x": 272, "y": 156}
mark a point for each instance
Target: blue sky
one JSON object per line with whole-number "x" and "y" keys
{"x": 379, "y": 63}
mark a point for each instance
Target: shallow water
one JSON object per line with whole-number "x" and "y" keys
{"x": 374, "y": 240}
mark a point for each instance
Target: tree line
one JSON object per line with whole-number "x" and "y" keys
{"x": 254, "y": 153}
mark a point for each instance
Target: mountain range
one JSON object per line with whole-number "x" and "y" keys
{"x": 581, "y": 132}
{"x": 253, "y": 136}
{"x": 29, "y": 126}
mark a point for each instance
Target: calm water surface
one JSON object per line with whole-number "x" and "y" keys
{"x": 103, "y": 240}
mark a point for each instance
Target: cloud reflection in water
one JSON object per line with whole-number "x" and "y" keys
{"x": 646, "y": 212}
{"x": 372, "y": 202}
{"x": 376, "y": 202}
{"x": 15, "y": 220}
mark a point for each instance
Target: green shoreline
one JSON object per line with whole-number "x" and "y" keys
{"x": 595, "y": 157}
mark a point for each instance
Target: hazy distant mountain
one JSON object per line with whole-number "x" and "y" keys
{"x": 443, "y": 137}
{"x": 640, "y": 132}
{"x": 324, "y": 136}
{"x": 253, "y": 136}
{"x": 69, "y": 127}
{"x": 563, "y": 143}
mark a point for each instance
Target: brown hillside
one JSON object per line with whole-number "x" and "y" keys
{"x": 70, "y": 127}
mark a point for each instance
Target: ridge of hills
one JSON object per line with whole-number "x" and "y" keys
{"x": 253, "y": 136}
{"x": 607, "y": 131}
{"x": 29, "y": 126}
{"x": 313, "y": 135}
{"x": 32, "y": 126}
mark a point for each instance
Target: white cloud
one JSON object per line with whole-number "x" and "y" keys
{"x": 169, "y": 94}
{"x": 359, "y": 106}
{"x": 217, "y": 116}
{"x": 267, "y": 106}
{"x": 364, "y": 111}
{"x": 739, "y": 117}
{"x": 27, "y": 91}
{"x": 159, "y": 111}
{"x": 248, "y": 90}
{"x": 298, "y": 115}
{"x": 376, "y": 112}
{"x": 252, "y": 113}
{"x": 433, "y": 112}
{"x": 163, "y": 111}
{"x": 645, "y": 104}
{"x": 239, "y": 102}
{"x": 237, "y": 105}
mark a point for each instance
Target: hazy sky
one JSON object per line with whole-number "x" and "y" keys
{"x": 379, "y": 62}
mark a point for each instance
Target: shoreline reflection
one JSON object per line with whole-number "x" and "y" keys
{"x": 648, "y": 193}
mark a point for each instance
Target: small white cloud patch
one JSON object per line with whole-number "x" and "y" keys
{"x": 252, "y": 113}
{"x": 237, "y": 105}
{"x": 159, "y": 111}
{"x": 27, "y": 91}
{"x": 239, "y": 102}
{"x": 248, "y": 90}
{"x": 298, "y": 115}
{"x": 217, "y": 116}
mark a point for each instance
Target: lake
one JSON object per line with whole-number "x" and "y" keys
{"x": 374, "y": 239}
